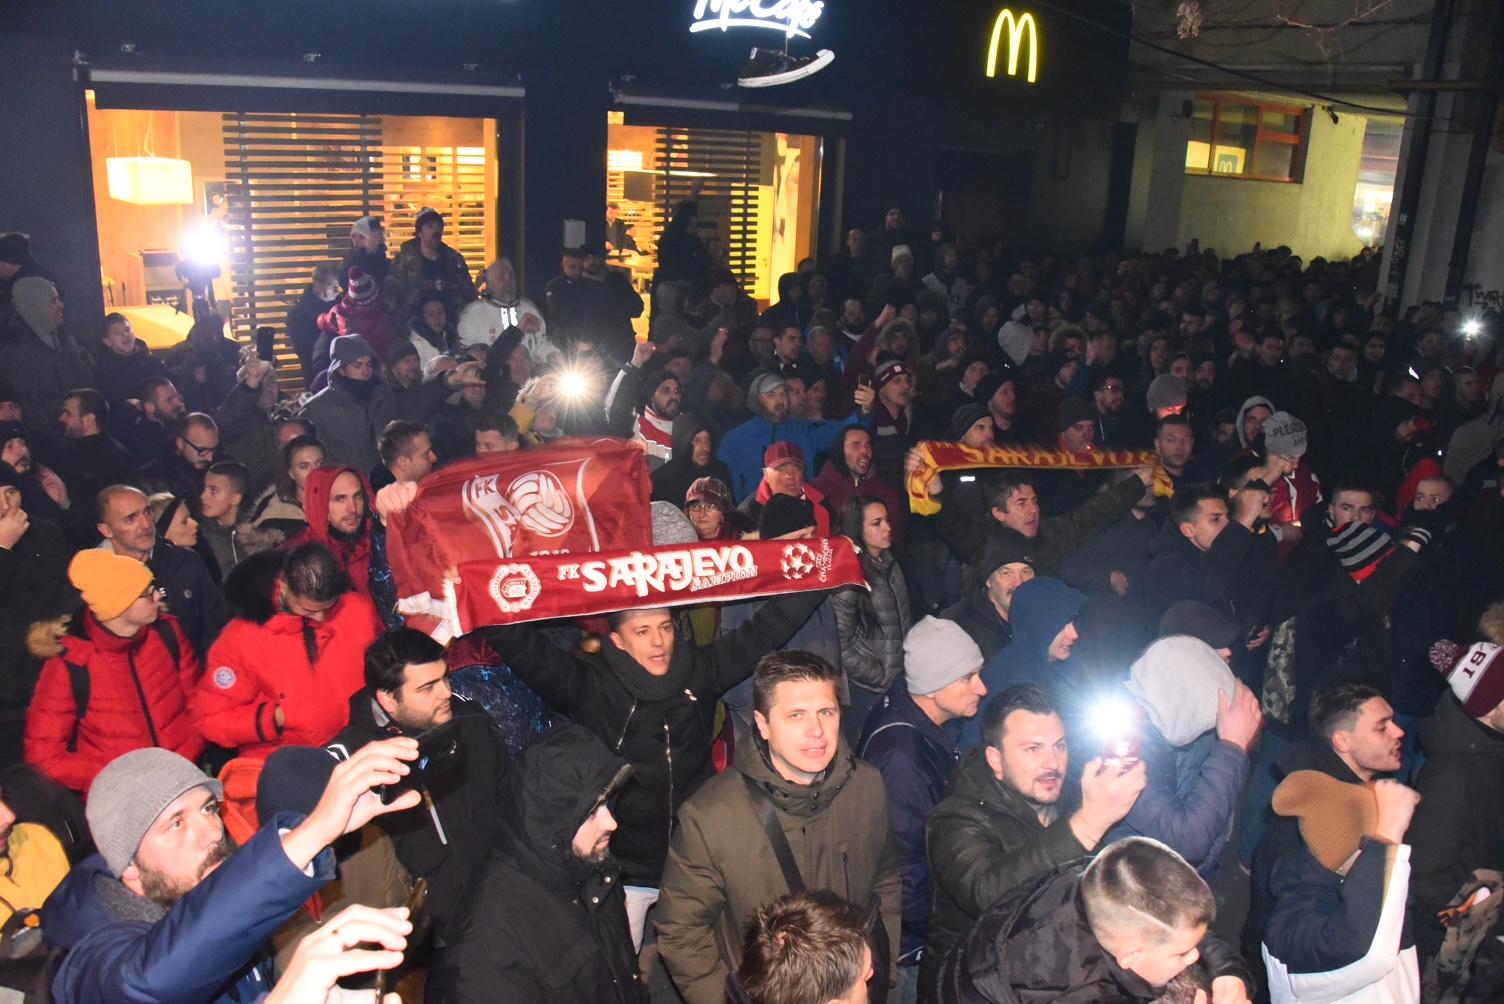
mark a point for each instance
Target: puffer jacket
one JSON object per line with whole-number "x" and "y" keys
{"x": 721, "y": 867}
{"x": 138, "y": 697}
{"x": 267, "y": 658}
{"x": 661, "y": 725}
{"x": 371, "y": 320}
{"x": 873, "y": 659}
{"x": 1036, "y": 944}
{"x": 983, "y": 839}
{"x": 538, "y": 924}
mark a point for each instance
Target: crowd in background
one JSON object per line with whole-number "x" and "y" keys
{"x": 1066, "y": 708}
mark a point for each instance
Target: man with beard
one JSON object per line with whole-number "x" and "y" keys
{"x": 283, "y": 671}
{"x": 190, "y": 592}
{"x": 91, "y": 458}
{"x": 848, "y": 472}
{"x": 336, "y": 501}
{"x": 43, "y": 493}
{"x": 1013, "y": 813}
{"x": 148, "y": 433}
{"x": 1107, "y": 396}
{"x": 643, "y": 406}
{"x": 169, "y": 909}
{"x": 181, "y": 472}
{"x": 772, "y": 422}
{"x": 353, "y": 409}
{"x": 406, "y": 693}
{"x": 545, "y": 918}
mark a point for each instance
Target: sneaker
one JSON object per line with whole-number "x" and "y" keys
{"x": 770, "y": 67}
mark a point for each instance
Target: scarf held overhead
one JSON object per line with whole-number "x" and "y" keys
{"x": 945, "y": 456}
{"x": 546, "y": 586}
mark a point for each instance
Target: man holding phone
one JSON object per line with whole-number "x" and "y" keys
{"x": 460, "y": 772}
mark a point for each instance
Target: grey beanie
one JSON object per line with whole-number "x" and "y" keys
{"x": 347, "y": 349}
{"x": 937, "y": 653}
{"x": 1165, "y": 391}
{"x": 1176, "y": 682}
{"x": 131, "y": 792}
{"x": 1285, "y": 435}
{"x": 32, "y": 298}
{"x": 671, "y": 526}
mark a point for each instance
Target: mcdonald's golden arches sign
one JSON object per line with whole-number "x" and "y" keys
{"x": 1022, "y": 31}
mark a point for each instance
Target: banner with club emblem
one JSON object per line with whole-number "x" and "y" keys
{"x": 546, "y": 586}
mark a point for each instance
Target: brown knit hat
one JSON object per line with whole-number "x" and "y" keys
{"x": 1333, "y": 815}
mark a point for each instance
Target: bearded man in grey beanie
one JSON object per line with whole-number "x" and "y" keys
{"x": 905, "y": 739}
{"x": 169, "y": 910}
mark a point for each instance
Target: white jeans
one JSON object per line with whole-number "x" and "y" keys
{"x": 640, "y": 900}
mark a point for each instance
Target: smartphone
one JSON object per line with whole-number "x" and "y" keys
{"x": 1125, "y": 749}
{"x": 864, "y": 380}
{"x": 414, "y": 904}
{"x": 437, "y": 747}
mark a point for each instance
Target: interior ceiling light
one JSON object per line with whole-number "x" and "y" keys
{"x": 150, "y": 180}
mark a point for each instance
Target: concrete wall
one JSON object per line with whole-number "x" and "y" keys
{"x": 1313, "y": 217}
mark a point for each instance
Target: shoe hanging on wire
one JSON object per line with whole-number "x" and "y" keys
{"x": 770, "y": 67}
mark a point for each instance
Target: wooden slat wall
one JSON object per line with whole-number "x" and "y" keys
{"x": 303, "y": 179}
{"x": 728, "y": 199}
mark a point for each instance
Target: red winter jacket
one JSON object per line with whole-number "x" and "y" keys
{"x": 373, "y": 321}
{"x": 137, "y": 697}
{"x": 256, "y": 666}
{"x": 354, "y": 558}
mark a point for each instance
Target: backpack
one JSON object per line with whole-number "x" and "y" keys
{"x": 37, "y": 799}
{"x": 78, "y": 677}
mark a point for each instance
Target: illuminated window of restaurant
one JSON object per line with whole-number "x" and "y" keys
{"x": 1374, "y": 192}
{"x": 263, "y": 198}
{"x": 1235, "y": 137}
{"x": 757, "y": 192}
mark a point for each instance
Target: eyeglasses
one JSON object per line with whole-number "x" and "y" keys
{"x": 203, "y": 451}
{"x": 153, "y": 592}
{"x": 702, "y": 507}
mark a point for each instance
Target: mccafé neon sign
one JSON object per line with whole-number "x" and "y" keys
{"x": 1017, "y": 26}
{"x": 793, "y": 18}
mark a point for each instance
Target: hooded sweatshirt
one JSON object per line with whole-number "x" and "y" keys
{"x": 672, "y": 480}
{"x": 1041, "y": 607}
{"x": 539, "y": 924}
{"x": 1251, "y": 403}
{"x": 354, "y": 556}
{"x": 39, "y": 359}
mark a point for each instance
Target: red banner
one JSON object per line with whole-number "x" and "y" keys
{"x": 569, "y": 499}
{"x": 546, "y": 586}
{"x": 946, "y": 456}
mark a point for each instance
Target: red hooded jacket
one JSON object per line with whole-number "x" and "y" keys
{"x": 138, "y": 697}
{"x": 309, "y": 668}
{"x": 373, "y": 321}
{"x": 354, "y": 558}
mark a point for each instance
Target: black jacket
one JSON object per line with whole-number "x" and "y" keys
{"x": 93, "y": 463}
{"x": 192, "y": 596}
{"x": 1236, "y": 576}
{"x": 983, "y": 839}
{"x": 120, "y": 377}
{"x": 450, "y": 833}
{"x": 34, "y": 582}
{"x": 1036, "y": 944}
{"x": 1457, "y": 826}
{"x": 979, "y": 618}
{"x": 672, "y": 480}
{"x": 661, "y": 725}
{"x": 538, "y": 924}
{"x": 1281, "y": 840}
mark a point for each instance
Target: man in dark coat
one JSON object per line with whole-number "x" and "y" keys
{"x": 650, "y": 695}
{"x": 169, "y": 909}
{"x": 1116, "y": 929}
{"x": 91, "y": 459}
{"x": 1456, "y": 827}
{"x": 1013, "y": 812}
{"x": 905, "y": 739}
{"x": 303, "y": 317}
{"x": 407, "y": 693}
{"x": 545, "y": 918}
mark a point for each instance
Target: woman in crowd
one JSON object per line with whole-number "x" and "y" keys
{"x": 871, "y": 624}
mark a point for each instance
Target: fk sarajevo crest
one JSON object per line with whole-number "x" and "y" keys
{"x": 536, "y": 501}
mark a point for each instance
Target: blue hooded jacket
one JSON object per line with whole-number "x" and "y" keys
{"x": 203, "y": 949}
{"x": 1041, "y": 608}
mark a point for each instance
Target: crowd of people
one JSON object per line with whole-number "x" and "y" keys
{"x": 1012, "y": 768}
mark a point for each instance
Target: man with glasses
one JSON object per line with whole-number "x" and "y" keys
{"x": 125, "y": 523}
{"x": 1107, "y": 395}
{"x": 181, "y": 470}
{"x": 119, "y": 684}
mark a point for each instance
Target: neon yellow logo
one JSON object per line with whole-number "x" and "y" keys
{"x": 1016, "y": 27}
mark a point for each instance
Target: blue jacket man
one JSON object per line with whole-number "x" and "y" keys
{"x": 772, "y": 422}
{"x": 1043, "y": 615}
{"x": 1197, "y": 724}
{"x": 906, "y": 740}
{"x": 168, "y": 911}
